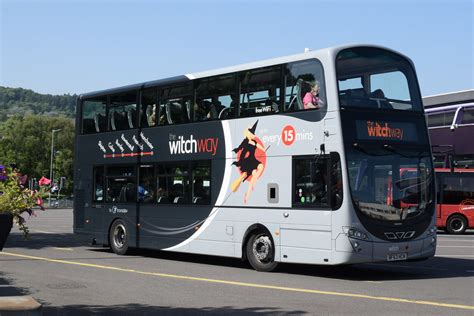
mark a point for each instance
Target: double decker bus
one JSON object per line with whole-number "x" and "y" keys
{"x": 451, "y": 128}
{"x": 282, "y": 160}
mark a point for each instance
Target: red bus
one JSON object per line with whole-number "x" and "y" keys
{"x": 455, "y": 197}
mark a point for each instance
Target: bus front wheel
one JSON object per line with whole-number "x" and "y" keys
{"x": 118, "y": 237}
{"x": 456, "y": 224}
{"x": 260, "y": 251}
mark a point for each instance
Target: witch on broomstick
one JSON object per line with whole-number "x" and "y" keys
{"x": 250, "y": 167}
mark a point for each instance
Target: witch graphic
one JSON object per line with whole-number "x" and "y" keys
{"x": 249, "y": 166}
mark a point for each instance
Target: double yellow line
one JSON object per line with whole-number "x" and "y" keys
{"x": 244, "y": 284}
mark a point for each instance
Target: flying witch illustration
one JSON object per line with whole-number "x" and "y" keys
{"x": 251, "y": 160}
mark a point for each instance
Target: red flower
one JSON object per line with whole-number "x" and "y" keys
{"x": 44, "y": 181}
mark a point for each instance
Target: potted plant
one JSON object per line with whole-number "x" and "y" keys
{"x": 16, "y": 200}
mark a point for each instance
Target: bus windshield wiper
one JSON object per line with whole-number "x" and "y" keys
{"x": 392, "y": 149}
{"x": 365, "y": 151}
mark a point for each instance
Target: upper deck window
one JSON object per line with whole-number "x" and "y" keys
{"x": 123, "y": 111}
{"x": 175, "y": 105}
{"x": 300, "y": 78}
{"x": 377, "y": 79}
{"x": 260, "y": 91}
{"x": 215, "y": 98}
{"x": 94, "y": 119}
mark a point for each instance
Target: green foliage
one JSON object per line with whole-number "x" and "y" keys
{"x": 15, "y": 199}
{"x": 18, "y": 101}
{"x": 26, "y": 142}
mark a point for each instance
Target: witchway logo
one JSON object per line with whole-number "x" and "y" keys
{"x": 181, "y": 146}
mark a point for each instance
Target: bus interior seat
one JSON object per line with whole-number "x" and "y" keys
{"x": 127, "y": 193}
{"x": 121, "y": 121}
{"x": 175, "y": 112}
{"x": 88, "y": 125}
{"x": 213, "y": 111}
{"x": 132, "y": 117}
{"x": 353, "y": 97}
{"x": 118, "y": 120}
{"x": 99, "y": 122}
{"x": 302, "y": 87}
{"x": 162, "y": 199}
{"x": 179, "y": 200}
{"x": 380, "y": 99}
{"x": 225, "y": 113}
{"x": 272, "y": 101}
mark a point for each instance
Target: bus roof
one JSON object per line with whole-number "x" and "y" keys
{"x": 331, "y": 51}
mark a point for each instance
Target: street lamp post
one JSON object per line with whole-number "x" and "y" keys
{"x": 52, "y": 157}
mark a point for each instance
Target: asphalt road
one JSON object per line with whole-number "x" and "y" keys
{"x": 69, "y": 277}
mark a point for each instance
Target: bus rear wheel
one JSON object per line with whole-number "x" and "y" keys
{"x": 260, "y": 251}
{"x": 456, "y": 224}
{"x": 118, "y": 237}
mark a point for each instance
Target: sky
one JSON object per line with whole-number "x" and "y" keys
{"x": 73, "y": 46}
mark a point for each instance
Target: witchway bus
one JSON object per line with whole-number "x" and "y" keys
{"x": 282, "y": 160}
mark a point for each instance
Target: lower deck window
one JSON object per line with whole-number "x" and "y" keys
{"x": 317, "y": 181}
{"x": 310, "y": 181}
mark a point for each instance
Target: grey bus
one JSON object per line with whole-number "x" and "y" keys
{"x": 295, "y": 159}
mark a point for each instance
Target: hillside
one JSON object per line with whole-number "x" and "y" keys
{"x": 19, "y": 101}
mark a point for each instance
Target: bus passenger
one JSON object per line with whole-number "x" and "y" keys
{"x": 311, "y": 98}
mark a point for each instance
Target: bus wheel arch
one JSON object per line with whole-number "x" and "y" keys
{"x": 456, "y": 223}
{"x": 258, "y": 248}
{"x": 119, "y": 236}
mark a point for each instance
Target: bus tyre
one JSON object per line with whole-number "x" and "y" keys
{"x": 261, "y": 252}
{"x": 456, "y": 224}
{"x": 118, "y": 237}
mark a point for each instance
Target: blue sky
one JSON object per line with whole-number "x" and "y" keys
{"x": 79, "y": 46}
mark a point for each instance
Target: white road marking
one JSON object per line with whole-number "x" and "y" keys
{"x": 402, "y": 266}
{"x": 44, "y": 232}
{"x": 63, "y": 248}
{"x": 452, "y": 246}
{"x": 456, "y": 256}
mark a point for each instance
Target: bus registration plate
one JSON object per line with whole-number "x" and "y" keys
{"x": 397, "y": 256}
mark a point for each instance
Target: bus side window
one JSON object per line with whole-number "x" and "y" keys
{"x": 260, "y": 91}
{"x": 215, "y": 98}
{"x": 93, "y": 115}
{"x": 201, "y": 183}
{"x": 299, "y": 78}
{"x": 98, "y": 193}
{"x": 310, "y": 181}
{"x": 148, "y": 108}
{"x": 457, "y": 189}
{"x": 121, "y": 184}
{"x": 123, "y": 111}
{"x": 336, "y": 181}
{"x": 175, "y": 105}
{"x": 146, "y": 184}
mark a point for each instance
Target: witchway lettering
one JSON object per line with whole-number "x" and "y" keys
{"x": 191, "y": 145}
{"x": 374, "y": 129}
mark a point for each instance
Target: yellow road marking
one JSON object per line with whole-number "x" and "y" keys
{"x": 253, "y": 285}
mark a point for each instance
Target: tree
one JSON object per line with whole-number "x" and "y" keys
{"x": 26, "y": 141}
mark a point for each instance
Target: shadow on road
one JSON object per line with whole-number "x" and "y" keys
{"x": 434, "y": 268}
{"x": 7, "y": 289}
{"x": 138, "y": 309}
{"x": 43, "y": 240}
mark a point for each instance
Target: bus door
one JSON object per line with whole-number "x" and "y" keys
{"x": 120, "y": 200}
